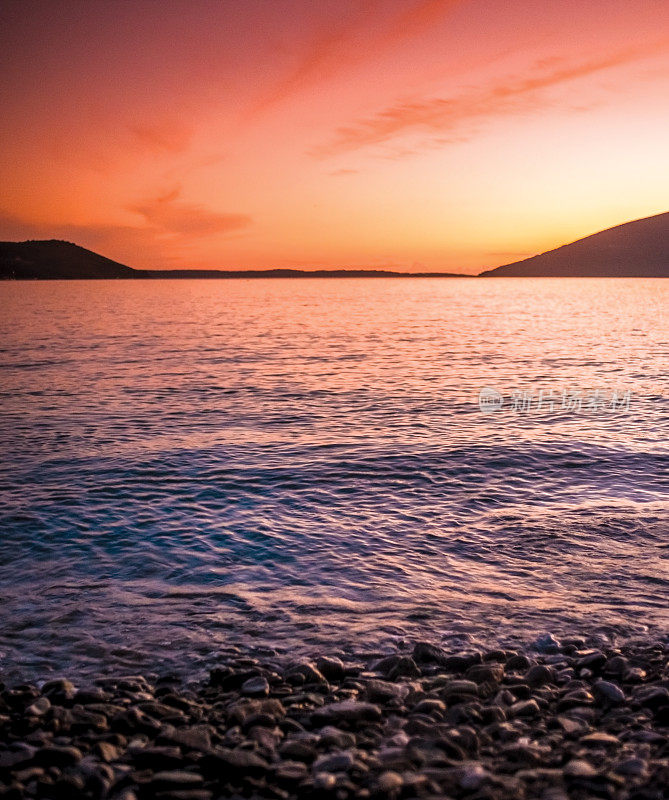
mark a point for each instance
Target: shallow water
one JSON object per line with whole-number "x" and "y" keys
{"x": 303, "y": 465}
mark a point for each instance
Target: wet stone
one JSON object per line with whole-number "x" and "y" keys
{"x": 600, "y": 739}
{"x": 430, "y": 706}
{"x": 652, "y": 696}
{"x": 539, "y": 675}
{"x": 39, "y": 707}
{"x": 476, "y": 729}
{"x": 298, "y": 750}
{"x": 176, "y": 779}
{"x": 334, "y": 762}
{"x": 384, "y": 691}
{"x": 461, "y": 688}
{"x": 291, "y": 772}
{"x": 59, "y": 690}
{"x": 304, "y": 673}
{"x": 631, "y": 766}
{"x": 546, "y": 643}
{"x": 58, "y": 756}
{"x": 426, "y": 653}
{"x": 472, "y": 776}
{"x": 616, "y": 665}
{"x": 106, "y": 751}
{"x": 256, "y": 687}
{"x": 324, "y": 782}
{"x": 579, "y": 768}
{"x": 591, "y": 661}
{"x": 485, "y": 673}
{"x": 524, "y": 708}
{"x": 331, "y": 668}
{"x": 518, "y": 663}
{"x": 609, "y": 692}
{"x": 389, "y": 783}
{"x": 333, "y": 737}
{"x": 348, "y": 711}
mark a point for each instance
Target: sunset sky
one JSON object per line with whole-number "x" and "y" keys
{"x": 402, "y": 134}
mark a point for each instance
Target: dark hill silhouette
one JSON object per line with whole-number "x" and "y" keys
{"x": 57, "y": 260}
{"x": 638, "y": 249}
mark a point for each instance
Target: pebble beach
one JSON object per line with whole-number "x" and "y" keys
{"x": 570, "y": 718}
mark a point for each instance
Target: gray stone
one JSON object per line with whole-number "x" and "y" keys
{"x": 461, "y": 688}
{"x": 609, "y": 692}
{"x": 324, "y": 782}
{"x": 176, "y": 779}
{"x": 539, "y": 675}
{"x": 59, "y": 690}
{"x": 635, "y": 675}
{"x": 518, "y": 663}
{"x": 298, "y": 750}
{"x": 332, "y": 668}
{"x": 20, "y": 754}
{"x": 58, "y": 756}
{"x": 635, "y": 767}
{"x": 652, "y": 696}
{"x": 523, "y": 708}
{"x": 334, "y": 737}
{"x": 106, "y": 751}
{"x": 244, "y": 762}
{"x": 291, "y": 772}
{"x": 256, "y": 687}
{"x": 389, "y": 783}
{"x": 592, "y": 660}
{"x": 382, "y": 691}
{"x": 485, "y": 673}
{"x": 334, "y": 762}
{"x": 546, "y": 643}
{"x": 39, "y": 707}
{"x": 426, "y": 653}
{"x": 578, "y": 697}
{"x": 429, "y": 706}
{"x": 347, "y": 711}
{"x": 579, "y": 768}
{"x": 600, "y": 739}
{"x": 616, "y": 665}
{"x": 304, "y": 673}
{"x": 472, "y": 776}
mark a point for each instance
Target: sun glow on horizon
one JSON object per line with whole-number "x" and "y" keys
{"x": 419, "y": 135}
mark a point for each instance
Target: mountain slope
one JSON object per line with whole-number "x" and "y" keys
{"x": 54, "y": 259}
{"x": 638, "y": 249}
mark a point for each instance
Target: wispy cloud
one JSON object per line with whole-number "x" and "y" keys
{"x": 446, "y": 117}
{"x": 169, "y": 214}
{"x": 355, "y": 40}
{"x": 162, "y": 136}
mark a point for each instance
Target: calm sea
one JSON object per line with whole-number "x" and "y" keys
{"x": 304, "y": 466}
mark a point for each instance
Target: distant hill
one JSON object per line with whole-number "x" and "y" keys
{"x": 53, "y": 259}
{"x": 638, "y": 249}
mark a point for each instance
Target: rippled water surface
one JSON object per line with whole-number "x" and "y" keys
{"x": 303, "y": 465}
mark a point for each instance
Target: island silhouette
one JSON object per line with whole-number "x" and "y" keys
{"x": 637, "y": 249}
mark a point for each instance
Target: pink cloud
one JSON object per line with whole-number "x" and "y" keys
{"x": 356, "y": 40}
{"x": 446, "y": 117}
{"x": 169, "y": 214}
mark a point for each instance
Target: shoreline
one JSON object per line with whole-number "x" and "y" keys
{"x": 559, "y": 719}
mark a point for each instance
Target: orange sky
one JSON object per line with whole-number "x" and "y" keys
{"x": 406, "y": 134}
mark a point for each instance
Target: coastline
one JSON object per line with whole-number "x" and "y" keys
{"x": 559, "y": 719}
